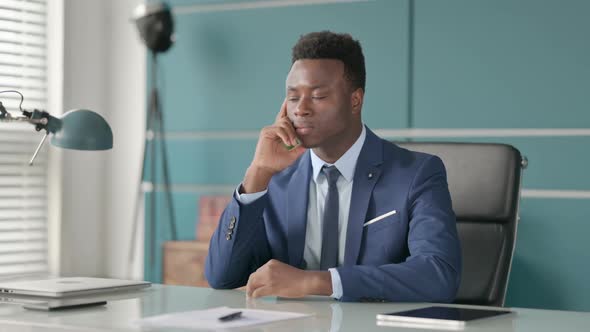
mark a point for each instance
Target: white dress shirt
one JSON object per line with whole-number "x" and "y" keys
{"x": 318, "y": 189}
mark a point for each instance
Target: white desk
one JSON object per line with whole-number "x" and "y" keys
{"x": 329, "y": 315}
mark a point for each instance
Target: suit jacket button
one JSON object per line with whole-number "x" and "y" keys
{"x": 231, "y": 226}
{"x": 233, "y": 219}
{"x": 228, "y": 237}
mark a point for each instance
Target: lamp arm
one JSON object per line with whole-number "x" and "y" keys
{"x": 38, "y": 149}
{"x": 41, "y": 120}
{"x": 40, "y": 123}
{"x": 3, "y": 111}
{"x": 10, "y": 118}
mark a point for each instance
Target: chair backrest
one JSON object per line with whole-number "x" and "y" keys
{"x": 484, "y": 182}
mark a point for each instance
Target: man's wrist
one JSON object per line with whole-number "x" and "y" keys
{"x": 318, "y": 283}
{"x": 256, "y": 180}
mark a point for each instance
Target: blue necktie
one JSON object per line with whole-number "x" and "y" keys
{"x": 330, "y": 236}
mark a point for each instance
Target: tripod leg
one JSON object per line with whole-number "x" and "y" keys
{"x": 167, "y": 192}
{"x": 135, "y": 221}
{"x": 152, "y": 208}
{"x": 140, "y": 191}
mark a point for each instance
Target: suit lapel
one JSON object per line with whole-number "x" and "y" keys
{"x": 366, "y": 175}
{"x": 297, "y": 200}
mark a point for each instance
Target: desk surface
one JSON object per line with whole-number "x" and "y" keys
{"x": 329, "y": 315}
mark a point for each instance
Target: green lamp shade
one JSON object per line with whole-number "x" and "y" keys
{"x": 82, "y": 130}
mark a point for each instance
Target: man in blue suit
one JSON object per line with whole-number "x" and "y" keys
{"x": 327, "y": 207}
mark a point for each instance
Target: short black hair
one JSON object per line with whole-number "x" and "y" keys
{"x": 330, "y": 45}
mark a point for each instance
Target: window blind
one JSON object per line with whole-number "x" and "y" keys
{"x": 23, "y": 188}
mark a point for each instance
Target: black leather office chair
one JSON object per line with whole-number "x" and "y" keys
{"x": 484, "y": 181}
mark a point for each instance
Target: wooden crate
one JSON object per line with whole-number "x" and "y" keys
{"x": 184, "y": 263}
{"x": 210, "y": 209}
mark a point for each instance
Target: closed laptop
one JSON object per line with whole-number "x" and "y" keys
{"x": 66, "y": 287}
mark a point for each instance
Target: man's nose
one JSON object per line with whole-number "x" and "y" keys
{"x": 303, "y": 107}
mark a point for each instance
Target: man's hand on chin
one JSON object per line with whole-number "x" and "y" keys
{"x": 276, "y": 278}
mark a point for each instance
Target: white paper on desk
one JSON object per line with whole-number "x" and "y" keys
{"x": 208, "y": 319}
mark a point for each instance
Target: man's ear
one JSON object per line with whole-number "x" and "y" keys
{"x": 356, "y": 100}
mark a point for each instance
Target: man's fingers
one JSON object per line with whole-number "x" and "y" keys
{"x": 287, "y": 133}
{"x": 262, "y": 291}
{"x": 299, "y": 150}
{"x": 288, "y": 127}
{"x": 284, "y": 135}
{"x": 283, "y": 111}
{"x": 272, "y": 132}
{"x": 252, "y": 284}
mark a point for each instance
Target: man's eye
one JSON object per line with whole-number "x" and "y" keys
{"x": 318, "y": 97}
{"x": 293, "y": 98}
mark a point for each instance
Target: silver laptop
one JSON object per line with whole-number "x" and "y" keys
{"x": 66, "y": 287}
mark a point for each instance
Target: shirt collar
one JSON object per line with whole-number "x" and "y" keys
{"x": 346, "y": 164}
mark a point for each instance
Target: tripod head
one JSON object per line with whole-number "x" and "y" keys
{"x": 155, "y": 25}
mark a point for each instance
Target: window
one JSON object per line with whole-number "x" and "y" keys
{"x": 23, "y": 188}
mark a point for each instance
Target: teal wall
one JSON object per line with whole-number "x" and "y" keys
{"x": 463, "y": 64}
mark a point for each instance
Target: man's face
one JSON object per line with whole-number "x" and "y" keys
{"x": 320, "y": 103}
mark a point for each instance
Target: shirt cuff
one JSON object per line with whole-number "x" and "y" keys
{"x": 246, "y": 199}
{"x": 336, "y": 284}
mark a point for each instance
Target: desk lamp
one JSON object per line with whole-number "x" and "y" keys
{"x": 76, "y": 129}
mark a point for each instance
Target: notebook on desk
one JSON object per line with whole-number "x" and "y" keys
{"x": 66, "y": 287}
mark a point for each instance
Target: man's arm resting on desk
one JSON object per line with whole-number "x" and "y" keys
{"x": 312, "y": 282}
{"x": 232, "y": 257}
{"x": 279, "y": 279}
{"x": 263, "y": 282}
{"x": 423, "y": 279}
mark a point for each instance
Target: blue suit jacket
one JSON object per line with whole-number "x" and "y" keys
{"x": 413, "y": 255}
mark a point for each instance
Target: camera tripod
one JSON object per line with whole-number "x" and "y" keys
{"x": 154, "y": 133}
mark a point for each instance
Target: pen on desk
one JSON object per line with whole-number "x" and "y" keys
{"x": 232, "y": 316}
